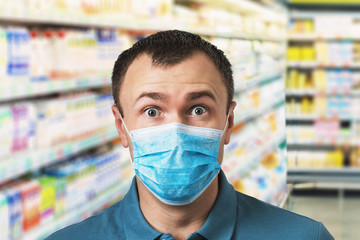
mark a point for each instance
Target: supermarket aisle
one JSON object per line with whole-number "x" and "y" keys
{"x": 342, "y": 220}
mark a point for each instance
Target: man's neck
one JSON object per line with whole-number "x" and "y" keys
{"x": 180, "y": 221}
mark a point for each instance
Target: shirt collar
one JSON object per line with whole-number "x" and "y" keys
{"x": 220, "y": 223}
{"x": 135, "y": 225}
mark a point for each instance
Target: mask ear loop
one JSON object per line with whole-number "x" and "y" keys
{"x": 122, "y": 120}
{"x": 226, "y": 124}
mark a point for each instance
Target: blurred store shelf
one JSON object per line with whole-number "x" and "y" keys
{"x": 313, "y": 117}
{"x": 15, "y": 14}
{"x": 323, "y": 174}
{"x": 255, "y": 114}
{"x": 32, "y": 89}
{"x": 311, "y": 64}
{"x": 314, "y": 92}
{"x": 92, "y": 206}
{"x": 259, "y": 80}
{"x": 20, "y": 163}
{"x": 253, "y": 159}
{"x": 315, "y": 37}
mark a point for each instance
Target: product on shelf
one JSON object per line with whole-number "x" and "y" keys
{"x": 318, "y": 159}
{"x": 30, "y": 202}
{"x": 301, "y": 26}
{"x": 323, "y": 132}
{"x": 14, "y": 219}
{"x": 136, "y": 13}
{"x": 326, "y": 26}
{"x": 4, "y": 217}
{"x": 39, "y": 55}
{"x": 334, "y": 53}
{"x": 258, "y": 100}
{"x": 322, "y": 106}
{"x": 3, "y": 57}
{"x": 301, "y": 53}
{"x": 325, "y": 53}
{"x": 18, "y": 43}
{"x": 355, "y": 157}
{"x": 45, "y": 123}
{"x": 256, "y": 144}
{"x": 262, "y": 183}
{"x": 25, "y": 204}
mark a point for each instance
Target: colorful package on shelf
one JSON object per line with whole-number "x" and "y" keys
{"x": 41, "y": 56}
{"x": 334, "y": 53}
{"x": 301, "y": 53}
{"x": 325, "y": 132}
{"x": 17, "y": 123}
{"x": 257, "y": 100}
{"x": 334, "y": 158}
{"x": 300, "y": 26}
{"x": 6, "y": 130}
{"x": 63, "y": 187}
{"x": 109, "y": 169}
{"x": 18, "y": 43}
{"x": 24, "y": 118}
{"x": 44, "y": 123}
{"x": 75, "y": 174}
{"x": 4, "y": 217}
{"x": 71, "y": 112}
{"x": 30, "y": 202}
{"x": 103, "y": 111}
{"x": 48, "y": 198}
{"x": 3, "y": 57}
{"x": 255, "y": 140}
{"x": 51, "y": 122}
{"x": 356, "y": 52}
{"x": 86, "y": 177}
{"x": 266, "y": 181}
{"x": 15, "y": 214}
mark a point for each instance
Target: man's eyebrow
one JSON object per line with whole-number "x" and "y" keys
{"x": 200, "y": 94}
{"x": 153, "y": 95}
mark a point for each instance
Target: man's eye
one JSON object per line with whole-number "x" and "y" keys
{"x": 152, "y": 112}
{"x": 198, "y": 110}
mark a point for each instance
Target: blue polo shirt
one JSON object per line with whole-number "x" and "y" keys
{"x": 233, "y": 216}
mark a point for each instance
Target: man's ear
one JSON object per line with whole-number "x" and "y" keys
{"x": 120, "y": 126}
{"x": 230, "y": 123}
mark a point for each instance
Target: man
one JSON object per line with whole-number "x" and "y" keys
{"x": 173, "y": 108}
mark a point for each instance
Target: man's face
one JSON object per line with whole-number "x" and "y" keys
{"x": 191, "y": 92}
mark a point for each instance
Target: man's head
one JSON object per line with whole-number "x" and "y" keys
{"x": 166, "y": 49}
{"x": 173, "y": 76}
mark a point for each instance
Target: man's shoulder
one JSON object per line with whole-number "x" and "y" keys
{"x": 268, "y": 220}
{"x": 106, "y": 223}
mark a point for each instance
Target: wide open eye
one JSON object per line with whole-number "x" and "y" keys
{"x": 198, "y": 110}
{"x": 152, "y": 112}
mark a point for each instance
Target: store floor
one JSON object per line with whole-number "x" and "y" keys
{"x": 341, "y": 218}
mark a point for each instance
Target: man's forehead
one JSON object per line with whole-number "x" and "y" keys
{"x": 197, "y": 71}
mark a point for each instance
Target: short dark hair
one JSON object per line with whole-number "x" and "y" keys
{"x": 168, "y": 48}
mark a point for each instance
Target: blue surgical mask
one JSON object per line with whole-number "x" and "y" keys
{"x": 176, "y": 162}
